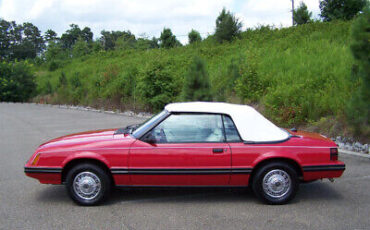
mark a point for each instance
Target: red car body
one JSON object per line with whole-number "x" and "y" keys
{"x": 186, "y": 145}
{"x": 133, "y": 162}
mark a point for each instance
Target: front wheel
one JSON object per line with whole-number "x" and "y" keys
{"x": 275, "y": 183}
{"x": 88, "y": 184}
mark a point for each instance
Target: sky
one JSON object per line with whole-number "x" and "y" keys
{"x": 147, "y": 18}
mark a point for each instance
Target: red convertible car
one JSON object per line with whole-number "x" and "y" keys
{"x": 188, "y": 144}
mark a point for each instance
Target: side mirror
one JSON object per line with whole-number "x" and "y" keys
{"x": 149, "y": 138}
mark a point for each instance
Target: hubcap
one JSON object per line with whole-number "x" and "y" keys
{"x": 276, "y": 183}
{"x": 86, "y": 185}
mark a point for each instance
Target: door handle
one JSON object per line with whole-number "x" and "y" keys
{"x": 218, "y": 150}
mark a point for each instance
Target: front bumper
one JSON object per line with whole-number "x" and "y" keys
{"x": 46, "y": 175}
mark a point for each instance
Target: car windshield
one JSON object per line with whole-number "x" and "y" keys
{"x": 149, "y": 124}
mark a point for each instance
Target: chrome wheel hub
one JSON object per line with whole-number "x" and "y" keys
{"x": 276, "y": 183}
{"x": 86, "y": 185}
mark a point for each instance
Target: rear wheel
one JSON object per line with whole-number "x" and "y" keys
{"x": 88, "y": 184}
{"x": 275, "y": 183}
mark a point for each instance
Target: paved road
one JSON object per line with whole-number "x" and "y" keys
{"x": 26, "y": 204}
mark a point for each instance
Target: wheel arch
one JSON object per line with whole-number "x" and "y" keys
{"x": 289, "y": 161}
{"x": 72, "y": 163}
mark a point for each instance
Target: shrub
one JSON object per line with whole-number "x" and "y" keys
{"x": 75, "y": 81}
{"x": 194, "y": 37}
{"x": 46, "y": 88}
{"x": 225, "y": 81}
{"x": 53, "y": 65}
{"x": 62, "y": 80}
{"x": 156, "y": 87}
{"x": 80, "y": 48}
{"x": 248, "y": 85}
{"x": 196, "y": 84}
{"x": 17, "y": 82}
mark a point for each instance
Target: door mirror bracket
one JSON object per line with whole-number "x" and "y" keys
{"x": 149, "y": 138}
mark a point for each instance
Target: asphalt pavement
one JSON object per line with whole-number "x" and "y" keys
{"x": 27, "y": 204}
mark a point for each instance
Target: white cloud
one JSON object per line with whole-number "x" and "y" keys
{"x": 145, "y": 16}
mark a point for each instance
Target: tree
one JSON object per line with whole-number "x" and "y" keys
{"x": 86, "y": 34}
{"x": 194, "y": 37}
{"x": 109, "y": 38}
{"x": 196, "y": 85}
{"x": 154, "y": 43}
{"x": 32, "y": 41}
{"x": 167, "y": 39}
{"x": 340, "y": 9}
{"x": 50, "y": 35}
{"x": 7, "y": 38}
{"x": 19, "y": 41}
{"x": 126, "y": 41}
{"x": 69, "y": 38}
{"x": 227, "y": 26}
{"x": 301, "y": 15}
{"x": 358, "y": 109}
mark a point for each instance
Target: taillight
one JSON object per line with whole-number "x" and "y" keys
{"x": 334, "y": 154}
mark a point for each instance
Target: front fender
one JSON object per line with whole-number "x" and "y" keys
{"x": 85, "y": 155}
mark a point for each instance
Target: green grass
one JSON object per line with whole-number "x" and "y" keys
{"x": 303, "y": 73}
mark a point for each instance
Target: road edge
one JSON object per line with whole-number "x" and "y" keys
{"x": 354, "y": 153}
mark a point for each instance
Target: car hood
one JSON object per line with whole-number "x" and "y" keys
{"x": 87, "y": 140}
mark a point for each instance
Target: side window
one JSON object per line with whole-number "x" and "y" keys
{"x": 231, "y": 132}
{"x": 188, "y": 128}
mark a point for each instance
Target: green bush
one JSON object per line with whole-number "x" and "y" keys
{"x": 17, "y": 82}
{"x": 45, "y": 88}
{"x": 156, "y": 87}
{"x": 248, "y": 85}
{"x": 194, "y": 37}
{"x": 62, "y": 80}
{"x": 53, "y": 65}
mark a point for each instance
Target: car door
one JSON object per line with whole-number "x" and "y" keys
{"x": 242, "y": 155}
{"x": 185, "y": 149}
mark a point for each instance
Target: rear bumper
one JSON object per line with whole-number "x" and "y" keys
{"x": 314, "y": 172}
{"x": 45, "y": 175}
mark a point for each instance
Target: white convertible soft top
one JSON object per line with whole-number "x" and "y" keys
{"x": 252, "y": 126}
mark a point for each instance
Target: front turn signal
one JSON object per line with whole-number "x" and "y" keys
{"x": 36, "y": 159}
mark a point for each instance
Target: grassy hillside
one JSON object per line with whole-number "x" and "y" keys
{"x": 293, "y": 75}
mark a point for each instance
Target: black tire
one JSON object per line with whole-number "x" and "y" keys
{"x": 276, "y": 193}
{"x": 95, "y": 182}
